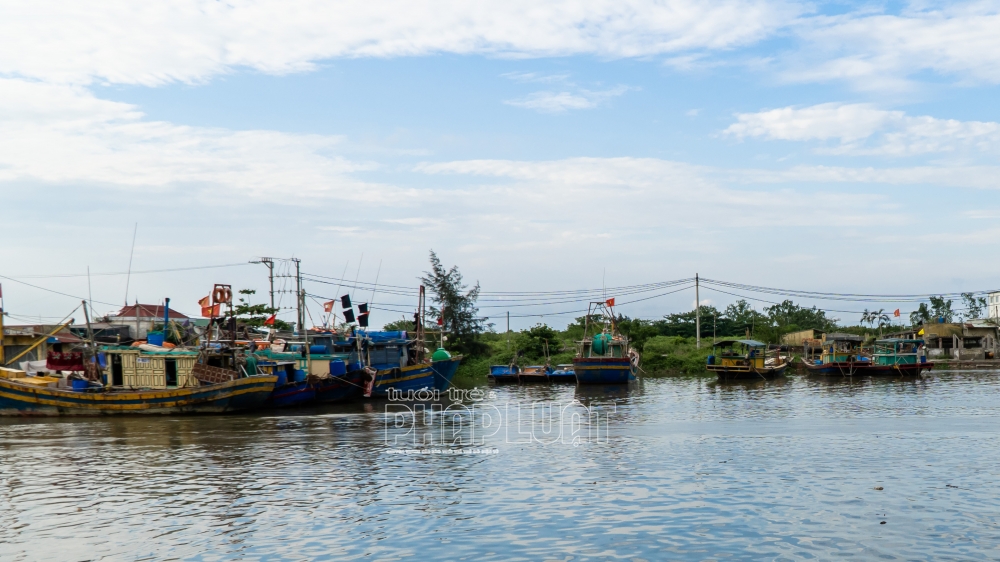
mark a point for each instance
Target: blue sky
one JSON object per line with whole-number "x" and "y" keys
{"x": 538, "y": 146}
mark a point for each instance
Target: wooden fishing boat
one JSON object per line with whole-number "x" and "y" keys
{"x": 533, "y": 374}
{"x": 504, "y": 374}
{"x": 745, "y": 359}
{"x": 563, "y": 373}
{"x": 292, "y": 388}
{"x": 840, "y": 355}
{"x": 898, "y": 357}
{"x": 38, "y": 396}
{"x": 445, "y": 366}
{"x": 605, "y": 358}
{"x": 397, "y": 364}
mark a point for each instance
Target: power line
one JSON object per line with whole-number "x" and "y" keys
{"x": 66, "y": 275}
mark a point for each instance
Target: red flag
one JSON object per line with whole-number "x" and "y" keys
{"x": 896, "y": 314}
{"x": 440, "y": 321}
{"x": 328, "y": 306}
{"x": 211, "y": 311}
{"x": 270, "y": 320}
{"x": 205, "y": 302}
{"x": 610, "y": 302}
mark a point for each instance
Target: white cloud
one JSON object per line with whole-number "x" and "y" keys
{"x": 62, "y": 134}
{"x": 876, "y": 51}
{"x": 190, "y": 40}
{"x": 641, "y": 192}
{"x": 864, "y": 129}
{"x": 557, "y": 102}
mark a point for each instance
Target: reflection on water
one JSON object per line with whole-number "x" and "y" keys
{"x": 686, "y": 468}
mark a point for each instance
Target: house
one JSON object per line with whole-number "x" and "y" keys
{"x": 140, "y": 318}
{"x": 19, "y": 338}
{"x": 975, "y": 339}
{"x": 797, "y": 339}
{"x": 993, "y": 305}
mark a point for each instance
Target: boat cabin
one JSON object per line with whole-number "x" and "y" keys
{"x": 899, "y": 352}
{"x": 132, "y": 368}
{"x": 841, "y": 348}
{"x": 738, "y": 353}
{"x": 603, "y": 345}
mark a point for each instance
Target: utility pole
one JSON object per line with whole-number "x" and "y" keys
{"x": 269, "y": 262}
{"x": 697, "y": 313}
{"x": 301, "y": 320}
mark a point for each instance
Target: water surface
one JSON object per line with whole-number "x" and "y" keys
{"x": 675, "y": 468}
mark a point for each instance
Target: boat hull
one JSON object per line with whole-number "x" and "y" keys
{"x": 405, "y": 379}
{"x": 341, "y": 388}
{"x": 727, "y": 374}
{"x": 232, "y": 396}
{"x": 603, "y": 370}
{"x": 444, "y": 372}
{"x": 291, "y": 394}
{"x": 906, "y": 369}
{"x": 841, "y": 368}
{"x": 503, "y": 379}
{"x": 562, "y": 377}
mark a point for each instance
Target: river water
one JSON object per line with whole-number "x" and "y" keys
{"x": 671, "y": 468}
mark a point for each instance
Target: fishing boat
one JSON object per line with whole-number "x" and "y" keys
{"x": 605, "y": 358}
{"x": 745, "y": 359}
{"x": 840, "y": 355}
{"x": 396, "y": 362}
{"x": 141, "y": 382}
{"x": 563, "y": 373}
{"x": 291, "y": 388}
{"x": 534, "y": 374}
{"x": 445, "y": 366}
{"x": 897, "y": 356}
{"x": 504, "y": 374}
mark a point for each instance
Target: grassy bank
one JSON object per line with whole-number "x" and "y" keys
{"x": 662, "y": 356}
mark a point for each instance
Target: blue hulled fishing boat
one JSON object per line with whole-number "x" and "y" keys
{"x": 504, "y": 374}
{"x": 605, "y": 358}
{"x": 563, "y": 373}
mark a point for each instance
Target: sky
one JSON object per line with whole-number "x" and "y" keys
{"x": 538, "y": 146}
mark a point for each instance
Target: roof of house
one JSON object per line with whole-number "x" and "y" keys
{"x": 149, "y": 311}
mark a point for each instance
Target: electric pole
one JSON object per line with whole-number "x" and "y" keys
{"x": 697, "y": 314}
{"x": 269, "y": 262}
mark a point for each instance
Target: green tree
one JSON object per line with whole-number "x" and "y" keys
{"x": 636, "y": 330}
{"x": 254, "y": 315}
{"x": 921, "y": 315}
{"x": 974, "y": 306}
{"x": 400, "y": 325}
{"x": 455, "y": 306}
{"x": 941, "y": 308}
{"x": 532, "y": 343}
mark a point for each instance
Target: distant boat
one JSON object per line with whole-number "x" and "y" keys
{"x": 563, "y": 373}
{"x": 396, "y": 362}
{"x": 605, "y": 358}
{"x": 504, "y": 374}
{"x": 898, "y": 357}
{"x": 534, "y": 374}
{"x": 840, "y": 355}
{"x": 743, "y": 360}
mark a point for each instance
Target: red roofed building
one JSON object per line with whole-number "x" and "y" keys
{"x": 141, "y": 317}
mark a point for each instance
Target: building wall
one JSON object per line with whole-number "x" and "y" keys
{"x": 993, "y": 305}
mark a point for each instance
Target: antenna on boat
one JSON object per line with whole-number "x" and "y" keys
{"x": 128, "y": 277}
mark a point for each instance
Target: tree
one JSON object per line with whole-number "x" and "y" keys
{"x": 974, "y": 306}
{"x": 455, "y": 306}
{"x": 532, "y": 343}
{"x": 941, "y": 309}
{"x": 400, "y": 325}
{"x": 637, "y": 330}
{"x": 921, "y": 315}
{"x": 254, "y": 314}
